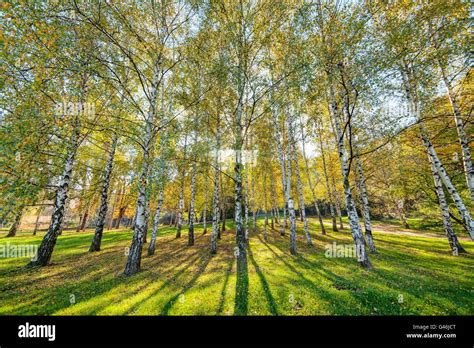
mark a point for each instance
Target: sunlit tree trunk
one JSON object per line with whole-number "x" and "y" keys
{"x": 365, "y": 206}
{"x": 448, "y": 228}
{"x": 281, "y": 159}
{"x": 466, "y": 217}
{"x": 337, "y": 203}
{"x": 298, "y": 182}
{"x": 112, "y": 221}
{"x": 240, "y": 250}
{"x": 223, "y": 207}
{"x": 328, "y": 187}
{"x": 252, "y": 202}
{"x": 37, "y": 224}
{"x": 215, "y": 196}
{"x": 357, "y": 235}
{"x": 16, "y": 223}
{"x": 410, "y": 85}
{"x": 291, "y": 211}
{"x": 288, "y": 176}
{"x": 135, "y": 252}
{"x": 246, "y": 205}
{"x": 156, "y": 220}
{"x": 463, "y": 137}
{"x": 46, "y": 247}
{"x": 275, "y": 213}
{"x": 83, "y": 222}
{"x": 265, "y": 207}
{"x": 191, "y": 207}
{"x": 120, "y": 216}
{"x": 204, "y": 213}
{"x": 96, "y": 241}
{"x": 161, "y": 170}
{"x": 308, "y": 175}
{"x": 179, "y": 218}
{"x": 400, "y": 205}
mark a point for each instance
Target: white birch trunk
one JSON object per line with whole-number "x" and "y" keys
{"x": 299, "y": 185}
{"x": 179, "y": 218}
{"x": 46, "y": 247}
{"x": 265, "y": 207}
{"x": 308, "y": 175}
{"x": 365, "y": 207}
{"x": 204, "y": 221}
{"x": 156, "y": 220}
{"x": 356, "y": 231}
{"x": 139, "y": 230}
{"x": 37, "y": 224}
{"x": 412, "y": 96}
{"x": 246, "y": 205}
{"x": 463, "y": 137}
{"x": 281, "y": 159}
{"x": 291, "y": 213}
{"x": 191, "y": 207}
{"x": 16, "y": 223}
{"x": 252, "y": 198}
{"x": 448, "y": 228}
{"x": 96, "y": 241}
{"x": 466, "y": 217}
{"x": 328, "y": 187}
{"x": 337, "y": 203}
{"x": 215, "y": 197}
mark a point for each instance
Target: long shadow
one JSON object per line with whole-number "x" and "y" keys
{"x": 175, "y": 277}
{"x": 324, "y": 295}
{"x": 96, "y": 285}
{"x": 167, "y": 307}
{"x": 271, "y": 300}
{"x": 391, "y": 279}
{"x": 224, "y": 287}
{"x": 241, "y": 287}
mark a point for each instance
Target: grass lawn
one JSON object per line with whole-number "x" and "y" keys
{"x": 411, "y": 275}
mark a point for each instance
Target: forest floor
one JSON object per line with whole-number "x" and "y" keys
{"x": 413, "y": 274}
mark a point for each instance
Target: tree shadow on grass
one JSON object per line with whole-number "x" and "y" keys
{"x": 205, "y": 258}
{"x": 266, "y": 288}
{"x": 220, "y": 308}
{"x": 90, "y": 277}
{"x": 340, "y": 303}
{"x": 242, "y": 287}
{"x": 168, "y": 282}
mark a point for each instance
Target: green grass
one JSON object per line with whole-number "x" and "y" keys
{"x": 182, "y": 280}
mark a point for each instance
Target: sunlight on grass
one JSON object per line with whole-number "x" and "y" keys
{"x": 411, "y": 275}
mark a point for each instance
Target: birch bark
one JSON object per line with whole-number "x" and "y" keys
{"x": 16, "y": 223}
{"x": 448, "y": 228}
{"x": 156, "y": 220}
{"x": 357, "y": 236}
{"x": 328, "y": 187}
{"x": 191, "y": 207}
{"x": 291, "y": 211}
{"x": 299, "y": 185}
{"x": 96, "y": 240}
{"x": 46, "y": 247}
{"x": 308, "y": 175}
{"x": 135, "y": 253}
{"x": 281, "y": 159}
{"x": 412, "y": 96}
{"x": 365, "y": 206}
{"x": 179, "y": 218}
{"x": 463, "y": 137}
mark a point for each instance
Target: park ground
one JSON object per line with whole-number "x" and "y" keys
{"x": 414, "y": 274}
